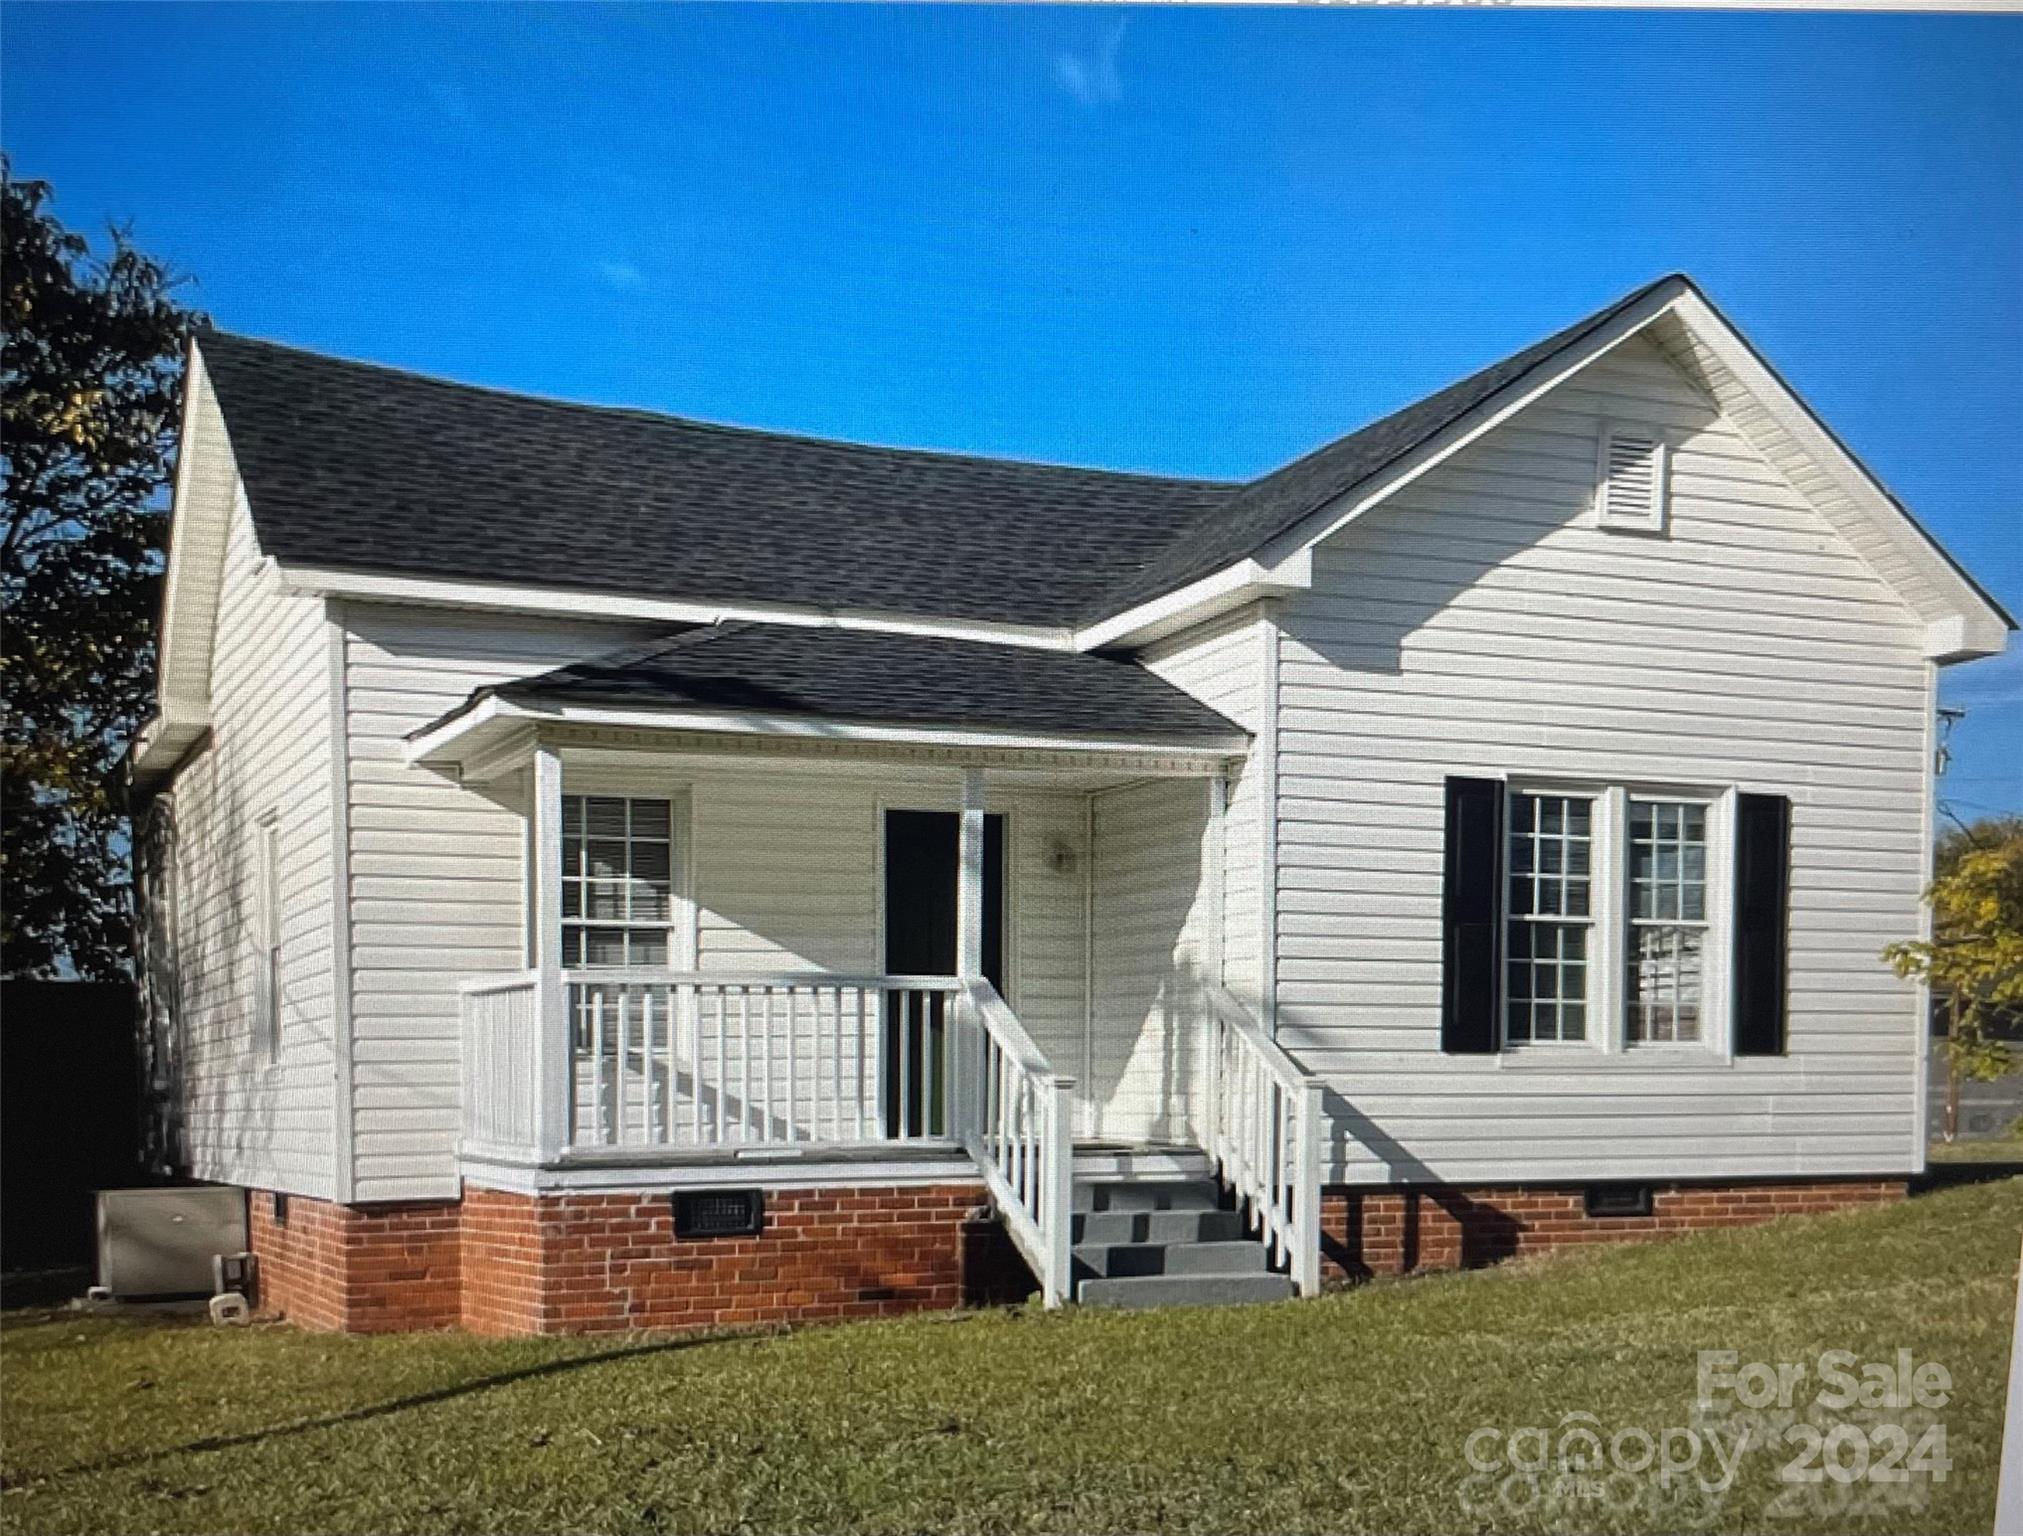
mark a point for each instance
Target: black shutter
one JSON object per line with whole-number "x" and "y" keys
{"x": 1762, "y": 894}
{"x": 1472, "y": 913}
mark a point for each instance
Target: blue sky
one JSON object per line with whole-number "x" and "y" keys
{"x": 1192, "y": 241}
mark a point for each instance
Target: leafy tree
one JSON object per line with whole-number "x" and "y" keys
{"x": 89, "y": 368}
{"x": 1974, "y": 958}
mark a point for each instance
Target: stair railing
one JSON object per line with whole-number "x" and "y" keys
{"x": 1264, "y": 1134}
{"x": 1018, "y": 1124}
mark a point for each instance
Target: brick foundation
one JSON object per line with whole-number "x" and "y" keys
{"x": 1414, "y": 1228}
{"x": 358, "y": 1268}
{"x": 588, "y": 1263}
{"x": 503, "y": 1263}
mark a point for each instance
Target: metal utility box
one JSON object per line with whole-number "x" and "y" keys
{"x": 160, "y": 1242}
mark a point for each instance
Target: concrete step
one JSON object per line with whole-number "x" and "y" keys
{"x": 1097, "y": 1261}
{"x": 1145, "y": 1195}
{"x": 1117, "y": 1228}
{"x": 1183, "y": 1290}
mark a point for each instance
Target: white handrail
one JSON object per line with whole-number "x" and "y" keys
{"x": 1263, "y": 1131}
{"x": 1018, "y": 1124}
{"x": 484, "y": 986}
{"x": 639, "y": 975}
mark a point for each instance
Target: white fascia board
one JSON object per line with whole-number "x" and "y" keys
{"x": 501, "y": 598}
{"x": 1974, "y": 626}
{"x": 1234, "y": 586}
{"x": 447, "y": 742}
{"x": 195, "y": 570}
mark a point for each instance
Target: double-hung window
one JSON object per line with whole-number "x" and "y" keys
{"x": 1550, "y": 917}
{"x": 1611, "y": 918}
{"x": 1666, "y": 945}
{"x": 620, "y": 858}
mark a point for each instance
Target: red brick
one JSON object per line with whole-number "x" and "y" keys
{"x": 1395, "y": 1229}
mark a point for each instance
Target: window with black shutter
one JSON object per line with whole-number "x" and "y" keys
{"x": 1472, "y": 907}
{"x": 1762, "y": 896}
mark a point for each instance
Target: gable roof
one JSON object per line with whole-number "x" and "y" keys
{"x": 874, "y": 677}
{"x": 1277, "y": 502}
{"x": 371, "y": 480}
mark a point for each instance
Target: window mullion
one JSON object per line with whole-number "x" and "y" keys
{"x": 1610, "y": 907}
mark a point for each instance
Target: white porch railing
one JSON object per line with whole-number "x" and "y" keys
{"x": 689, "y": 1060}
{"x": 1263, "y": 1129}
{"x": 501, "y": 1022}
{"x": 1018, "y": 1125}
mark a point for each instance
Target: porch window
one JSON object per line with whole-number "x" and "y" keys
{"x": 618, "y": 870}
{"x": 1548, "y": 917}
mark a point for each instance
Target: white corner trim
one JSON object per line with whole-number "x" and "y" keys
{"x": 440, "y": 746}
{"x": 502, "y": 598}
{"x": 1268, "y": 831}
{"x": 1232, "y": 587}
{"x": 343, "y": 1089}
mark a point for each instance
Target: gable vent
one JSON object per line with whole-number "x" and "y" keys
{"x": 1632, "y": 489}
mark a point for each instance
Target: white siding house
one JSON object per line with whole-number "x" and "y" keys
{"x": 500, "y": 865}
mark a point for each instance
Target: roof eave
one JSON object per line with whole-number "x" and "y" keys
{"x": 470, "y": 739}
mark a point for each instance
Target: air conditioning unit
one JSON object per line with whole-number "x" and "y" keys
{"x": 160, "y": 1242}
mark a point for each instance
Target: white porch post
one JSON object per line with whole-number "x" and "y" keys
{"x": 969, "y": 885}
{"x": 962, "y": 1070}
{"x": 552, "y": 1038}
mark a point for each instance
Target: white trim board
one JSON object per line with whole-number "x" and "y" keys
{"x": 583, "y": 603}
{"x": 459, "y": 740}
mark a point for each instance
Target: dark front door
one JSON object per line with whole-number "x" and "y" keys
{"x": 922, "y": 867}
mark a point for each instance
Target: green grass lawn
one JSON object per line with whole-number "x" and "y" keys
{"x": 1990, "y": 1149}
{"x": 1348, "y": 1413}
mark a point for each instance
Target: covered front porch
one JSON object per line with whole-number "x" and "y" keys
{"x": 757, "y": 947}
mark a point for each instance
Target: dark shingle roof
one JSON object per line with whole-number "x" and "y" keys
{"x": 358, "y": 467}
{"x": 879, "y": 678}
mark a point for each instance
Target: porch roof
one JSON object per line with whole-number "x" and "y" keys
{"x": 786, "y": 677}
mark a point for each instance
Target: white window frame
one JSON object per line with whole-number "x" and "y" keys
{"x": 681, "y": 910}
{"x": 1609, "y": 923}
{"x": 1592, "y": 921}
{"x": 267, "y": 939}
{"x": 1659, "y": 518}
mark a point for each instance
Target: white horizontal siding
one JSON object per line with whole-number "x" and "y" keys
{"x": 246, "y": 1121}
{"x": 1153, "y": 947}
{"x": 435, "y": 871}
{"x": 1222, "y": 664}
{"x": 785, "y": 873}
{"x": 1475, "y": 626}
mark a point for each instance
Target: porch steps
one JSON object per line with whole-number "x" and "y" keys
{"x": 1166, "y": 1244}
